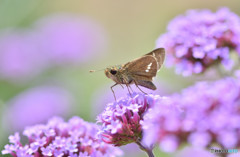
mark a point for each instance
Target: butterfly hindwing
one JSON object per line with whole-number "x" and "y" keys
{"x": 146, "y": 84}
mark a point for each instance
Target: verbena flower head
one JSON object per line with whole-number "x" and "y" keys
{"x": 58, "y": 138}
{"x": 121, "y": 119}
{"x": 201, "y": 115}
{"x": 200, "y": 39}
{"x": 37, "y": 105}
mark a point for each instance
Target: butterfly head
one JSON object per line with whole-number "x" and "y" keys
{"x": 111, "y": 72}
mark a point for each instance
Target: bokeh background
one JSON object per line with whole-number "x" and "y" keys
{"x": 48, "y": 47}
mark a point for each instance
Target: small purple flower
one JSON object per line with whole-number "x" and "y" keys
{"x": 201, "y": 115}
{"x": 61, "y": 143}
{"x": 46, "y": 151}
{"x": 33, "y": 148}
{"x": 59, "y": 153}
{"x": 8, "y": 149}
{"x": 14, "y": 138}
{"x": 121, "y": 120}
{"x": 200, "y": 39}
{"x": 37, "y": 105}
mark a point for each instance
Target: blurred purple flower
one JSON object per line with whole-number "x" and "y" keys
{"x": 20, "y": 58}
{"x": 37, "y": 105}
{"x": 67, "y": 38}
{"x": 55, "y": 40}
{"x": 121, "y": 120}
{"x": 200, "y": 39}
{"x": 58, "y": 138}
{"x": 196, "y": 152}
{"x": 201, "y": 115}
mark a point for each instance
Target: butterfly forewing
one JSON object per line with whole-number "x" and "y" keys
{"x": 159, "y": 54}
{"x": 143, "y": 68}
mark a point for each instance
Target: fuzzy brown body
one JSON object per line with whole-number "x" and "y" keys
{"x": 121, "y": 75}
{"x": 139, "y": 71}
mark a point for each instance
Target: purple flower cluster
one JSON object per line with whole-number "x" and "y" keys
{"x": 75, "y": 138}
{"x": 203, "y": 114}
{"x": 121, "y": 120}
{"x": 59, "y": 39}
{"x": 201, "y": 39}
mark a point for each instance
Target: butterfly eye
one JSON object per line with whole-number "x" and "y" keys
{"x": 113, "y": 72}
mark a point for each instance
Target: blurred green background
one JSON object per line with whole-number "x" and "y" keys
{"x": 130, "y": 30}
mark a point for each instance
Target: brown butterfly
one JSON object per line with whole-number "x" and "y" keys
{"x": 139, "y": 71}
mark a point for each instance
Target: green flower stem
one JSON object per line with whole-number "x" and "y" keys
{"x": 145, "y": 149}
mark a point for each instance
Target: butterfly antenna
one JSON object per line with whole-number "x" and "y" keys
{"x": 91, "y": 71}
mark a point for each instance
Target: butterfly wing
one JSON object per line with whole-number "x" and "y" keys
{"x": 143, "y": 68}
{"x": 159, "y": 54}
{"x": 146, "y": 84}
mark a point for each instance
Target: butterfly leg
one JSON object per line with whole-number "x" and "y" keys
{"x": 122, "y": 86}
{"x": 113, "y": 90}
{"x": 127, "y": 84}
{"x": 139, "y": 87}
{"x": 129, "y": 90}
